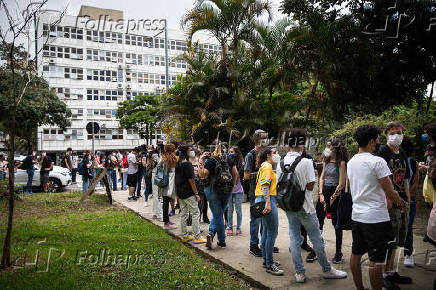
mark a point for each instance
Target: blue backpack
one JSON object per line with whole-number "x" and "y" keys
{"x": 162, "y": 177}
{"x": 81, "y": 168}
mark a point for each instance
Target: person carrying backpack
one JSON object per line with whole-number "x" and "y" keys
{"x": 296, "y": 180}
{"x": 223, "y": 175}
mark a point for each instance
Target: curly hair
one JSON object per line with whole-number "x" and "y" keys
{"x": 341, "y": 152}
{"x": 169, "y": 155}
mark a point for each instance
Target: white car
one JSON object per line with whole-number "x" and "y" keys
{"x": 59, "y": 177}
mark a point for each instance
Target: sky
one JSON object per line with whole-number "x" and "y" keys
{"x": 173, "y": 10}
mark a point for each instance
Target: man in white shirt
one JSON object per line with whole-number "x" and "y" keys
{"x": 295, "y": 138}
{"x": 132, "y": 173}
{"x": 370, "y": 185}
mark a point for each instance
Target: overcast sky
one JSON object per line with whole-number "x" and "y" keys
{"x": 173, "y": 10}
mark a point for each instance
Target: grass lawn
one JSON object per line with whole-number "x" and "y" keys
{"x": 98, "y": 246}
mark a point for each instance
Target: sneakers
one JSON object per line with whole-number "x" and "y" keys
{"x": 229, "y": 232}
{"x": 276, "y": 263}
{"x": 209, "y": 240}
{"x": 169, "y": 227}
{"x": 306, "y": 247}
{"x": 187, "y": 239}
{"x": 238, "y": 232}
{"x": 338, "y": 258}
{"x": 398, "y": 279}
{"x": 172, "y": 212}
{"x": 131, "y": 198}
{"x": 300, "y": 278}
{"x": 276, "y": 250}
{"x": 146, "y": 203}
{"x": 255, "y": 251}
{"x": 388, "y": 285}
{"x": 334, "y": 274}
{"x": 409, "y": 261}
{"x": 200, "y": 240}
{"x": 311, "y": 257}
{"x": 221, "y": 244}
{"x": 272, "y": 269}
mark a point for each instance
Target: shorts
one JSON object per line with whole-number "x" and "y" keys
{"x": 374, "y": 239}
{"x": 400, "y": 225}
{"x": 132, "y": 180}
{"x": 45, "y": 176}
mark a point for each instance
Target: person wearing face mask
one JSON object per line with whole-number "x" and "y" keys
{"x": 396, "y": 160}
{"x": 306, "y": 216}
{"x": 28, "y": 165}
{"x": 370, "y": 187}
{"x": 235, "y": 201}
{"x": 331, "y": 183}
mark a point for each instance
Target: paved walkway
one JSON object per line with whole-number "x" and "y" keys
{"x": 236, "y": 254}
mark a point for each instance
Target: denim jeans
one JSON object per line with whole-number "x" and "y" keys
{"x": 311, "y": 224}
{"x": 113, "y": 176}
{"x": 254, "y": 225}
{"x": 124, "y": 182}
{"x": 30, "y": 173}
{"x": 148, "y": 188}
{"x": 85, "y": 185}
{"x": 73, "y": 174}
{"x": 235, "y": 202}
{"x": 270, "y": 223}
{"x": 139, "y": 184}
{"x": 408, "y": 246}
{"x": 217, "y": 204}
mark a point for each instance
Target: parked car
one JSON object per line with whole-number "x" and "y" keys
{"x": 59, "y": 177}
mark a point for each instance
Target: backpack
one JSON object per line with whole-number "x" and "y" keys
{"x": 81, "y": 168}
{"x": 290, "y": 196}
{"x": 24, "y": 166}
{"x": 223, "y": 181}
{"x": 162, "y": 177}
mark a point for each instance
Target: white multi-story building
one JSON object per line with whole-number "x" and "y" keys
{"x": 93, "y": 64}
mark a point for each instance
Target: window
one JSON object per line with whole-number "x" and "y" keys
{"x": 159, "y": 43}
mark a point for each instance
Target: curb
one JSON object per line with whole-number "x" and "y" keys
{"x": 250, "y": 281}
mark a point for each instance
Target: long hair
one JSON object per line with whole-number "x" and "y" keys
{"x": 341, "y": 152}
{"x": 238, "y": 157}
{"x": 218, "y": 153}
{"x": 169, "y": 156}
{"x": 263, "y": 156}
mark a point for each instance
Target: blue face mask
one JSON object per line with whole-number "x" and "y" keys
{"x": 232, "y": 155}
{"x": 424, "y": 138}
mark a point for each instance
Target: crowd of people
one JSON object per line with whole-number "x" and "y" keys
{"x": 381, "y": 180}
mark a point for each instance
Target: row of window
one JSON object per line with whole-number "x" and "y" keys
{"x": 104, "y": 55}
{"x": 98, "y": 95}
{"x": 62, "y": 52}
{"x": 65, "y": 72}
{"x": 103, "y": 134}
{"x": 116, "y": 37}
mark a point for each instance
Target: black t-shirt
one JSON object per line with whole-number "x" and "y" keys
{"x": 87, "y": 171}
{"x": 28, "y": 162}
{"x": 184, "y": 171}
{"x": 399, "y": 167}
{"x": 46, "y": 163}
{"x": 210, "y": 164}
{"x": 250, "y": 166}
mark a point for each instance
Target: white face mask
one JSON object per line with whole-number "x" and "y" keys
{"x": 395, "y": 140}
{"x": 327, "y": 152}
{"x": 276, "y": 158}
{"x": 191, "y": 154}
{"x": 44, "y": 154}
{"x": 264, "y": 142}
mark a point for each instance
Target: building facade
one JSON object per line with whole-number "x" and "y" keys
{"x": 93, "y": 64}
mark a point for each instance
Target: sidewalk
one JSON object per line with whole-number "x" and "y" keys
{"x": 236, "y": 254}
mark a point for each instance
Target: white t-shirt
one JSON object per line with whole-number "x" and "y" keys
{"x": 369, "y": 199}
{"x": 133, "y": 168}
{"x": 305, "y": 174}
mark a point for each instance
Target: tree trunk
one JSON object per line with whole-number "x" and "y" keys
{"x": 430, "y": 98}
{"x": 6, "y": 257}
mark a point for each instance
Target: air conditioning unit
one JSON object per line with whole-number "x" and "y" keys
{"x": 128, "y": 67}
{"x": 120, "y": 66}
{"x": 114, "y": 79}
{"x": 128, "y": 87}
{"x": 120, "y": 86}
{"x": 52, "y": 61}
{"x": 128, "y": 73}
{"x": 158, "y": 88}
{"x": 53, "y": 34}
{"x": 114, "y": 60}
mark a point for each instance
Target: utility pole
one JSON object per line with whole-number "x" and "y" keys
{"x": 166, "y": 57}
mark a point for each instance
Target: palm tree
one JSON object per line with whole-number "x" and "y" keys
{"x": 229, "y": 21}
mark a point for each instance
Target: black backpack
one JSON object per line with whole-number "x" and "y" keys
{"x": 223, "y": 180}
{"x": 290, "y": 196}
